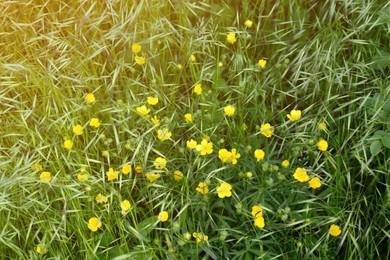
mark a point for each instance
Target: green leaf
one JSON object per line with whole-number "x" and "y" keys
{"x": 379, "y": 133}
{"x": 375, "y": 147}
{"x": 386, "y": 141}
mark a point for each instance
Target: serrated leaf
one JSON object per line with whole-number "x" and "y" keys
{"x": 375, "y": 147}
{"x": 386, "y": 141}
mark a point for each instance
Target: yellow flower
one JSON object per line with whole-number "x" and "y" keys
{"x": 41, "y": 249}
{"x": 205, "y": 147}
{"x": 36, "y": 167}
{"x": 200, "y": 238}
{"x": 188, "y": 118}
{"x": 125, "y": 205}
{"x": 105, "y": 153}
{"x": 191, "y": 144}
{"x": 140, "y": 60}
{"x": 94, "y": 224}
{"x": 335, "y": 230}
{"x": 160, "y": 163}
{"x": 178, "y": 175}
{"x": 45, "y": 177}
{"x": 164, "y": 134}
{"x": 229, "y": 110}
{"x": 198, "y": 89}
{"x": 301, "y": 175}
{"x": 262, "y": 63}
{"x": 83, "y": 177}
{"x": 259, "y": 222}
{"x": 231, "y": 37}
{"x": 267, "y": 130}
{"x": 112, "y": 174}
{"x": 322, "y": 126}
{"x": 224, "y": 155}
{"x": 78, "y": 130}
{"x": 179, "y": 66}
{"x": 248, "y": 23}
{"x": 152, "y": 176}
{"x": 193, "y": 58}
{"x": 163, "y": 216}
{"x": 101, "y": 198}
{"x": 249, "y": 174}
{"x": 90, "y": 98}
{"x": 139, "y": 169}
{"x": 234, "y": 156}
{"x": 155, "y": 120}
{"x": 202, "y": 188}
{"x": 257, "y": 211}
{"x": 322, "y": 145}
{"x": 136, "y": 48}
{"x": 315, "y": 183}
{"x": 126, "y": 169}
{"x": 95, "y": 122}
{"x": 285, "y": 163}
{"x": 68, "y": 144}
{"x": 220, "y": 64}
{"x": 259, "y": 154}
{"x": 143, "y": 110}
{"x": 152, "y": 101}
{"x": 224, "y": 190}
{"x": 294, "y": 115}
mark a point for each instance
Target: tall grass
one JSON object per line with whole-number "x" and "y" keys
{"x": 329, "y": 59}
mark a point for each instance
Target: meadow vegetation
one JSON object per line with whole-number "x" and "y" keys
{"x": 194, "y": 129}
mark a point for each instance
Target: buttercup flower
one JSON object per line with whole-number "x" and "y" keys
{"x": 229, "y": 110}
{"x": 90, "y": 98}
{"x": 259, "y": 154}
{"x": 262, "y": 63}
{"x": 45, "y": 177}
{"x": 200, "y": 238}
{"x": 267, "y": 130}
{"x": 36, "y": 167}
{"x": 95, "y": 122}
{"x": 152, "y": 101}
{"x": 322, "y": 126}
{"x": 82, "y": 177}
{"x": 155, "y": 120}
{"x": 205, "y": 147}
{"x": 257, "y": 211}
{"x": 140, "y": 60}
{"x": 160, "y": 163}
{"x": 322, "y": 145}
{"x": 68, "y": 144}
{"x": 248, "y": 23}
{"x": 178, "y": 175}
{"x": 101, "y": 198}
{"x": 301, "y": 175}
{"x": 224, "y": 190}
{"x": 315, "y": 183}
{"x": 94, "y": 224}
{"x": 179, "y": 66}
{"x": 193, "y": 58}
{"x": 78, "y": 130}
{"x": 224, "y": 155}
{"x": 202, "y": 188}
{"x": 139, "y": 169}
{"x": 259, "y": 222}
{"x": 198, "y": 89}
{"x": 41, "y": 249}
{"x": 136, "y": 48}
{"x": 152, "y": 176}
{"x": 188, "y": 118}
{"x": 191, "y": 144}
{"x": 285, "y": 163}
{"x": 105, "y": 153}
{"x": 126, "y": 169}
{"x": 294, "y": 115}
{"x": 143, "y": 110}
{"x": 164, "y": 134}
{"x": 234, "y": 156}
{"x": 220, "y": 64}
{"x": 125, "y": 205}
{"x": 163, "y": 216}
{"x": 335, "y": 230}
{"x": 112, "y": 174}
{"x": 231, "y": 37}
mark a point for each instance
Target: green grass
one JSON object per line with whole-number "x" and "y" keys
{"x": 328, "y": 59}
